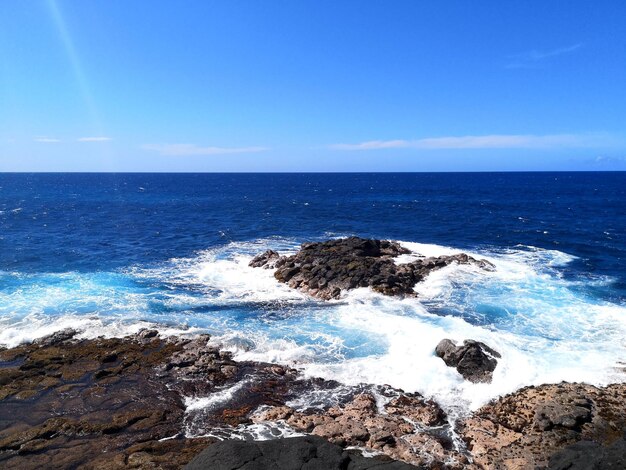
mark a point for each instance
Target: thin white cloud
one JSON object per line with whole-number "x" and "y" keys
{"x": 47, "y": 140}
{"x": 181, "y": 150}
{"x": 532, "y": 58}
{"x": 605, "y": 160}
{"x": 487, "y": 142}
{"x": 94, "y": 139}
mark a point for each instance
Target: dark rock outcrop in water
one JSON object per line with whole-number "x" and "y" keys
{"x": 297, "y": 453}
{"x": 268, "y": 260}
{"x": 474, "y": 360}
{"x": 326, "y": 269}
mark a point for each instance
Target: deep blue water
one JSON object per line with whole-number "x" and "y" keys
{"x": 90, "y": 222}
{"x": 105, "y": 251}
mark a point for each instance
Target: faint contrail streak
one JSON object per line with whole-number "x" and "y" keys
{"x": 74, "y": 60}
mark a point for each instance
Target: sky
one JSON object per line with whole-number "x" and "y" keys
{"x": 247, "y": 86}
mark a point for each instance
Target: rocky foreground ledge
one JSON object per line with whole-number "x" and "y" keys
{"x": 121, "y": 403}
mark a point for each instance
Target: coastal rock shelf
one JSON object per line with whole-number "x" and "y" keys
{"x": 524, "y": 429}
{"x": 62, "y": 401}
{"x": 136, "y": 402}
{"x": 326, "y": 269}
{"x": 407, "y": 428}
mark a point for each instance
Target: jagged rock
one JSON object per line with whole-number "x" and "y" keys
{"x": 268, "y": 260}
{"x": 414, "y": 407}
{"x": 57, "y": 337}
{"x": 298, "y": 453}
{"x": 326, "y": 269}
{"x": 397, "y": 431}
{"x": 589, "y": 455}
{"x": 474, "y": 360}
{"x": 570, "y": 413}
{"x": 63, "y": 400}
{"x": 526, "y": 428}
{"x": 145, "y": 333}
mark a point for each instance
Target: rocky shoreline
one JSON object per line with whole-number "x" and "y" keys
{"x": 123, "y": 403}
{"x": 146, "y": 401}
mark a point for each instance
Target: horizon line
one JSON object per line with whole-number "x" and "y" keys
{"x": 293, "y": 172}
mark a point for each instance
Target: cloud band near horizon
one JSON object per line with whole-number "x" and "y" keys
{"x": 192, "y": 149}
{"x": 94, "y": 139}
{"x": 488, "y": 142}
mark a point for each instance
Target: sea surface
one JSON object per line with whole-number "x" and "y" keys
{"x": 111, "y": 253}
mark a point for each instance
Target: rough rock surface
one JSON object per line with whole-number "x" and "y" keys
{"x": 298, "y": 453}
{"x": 62, "y": 403}
{"x": 267, "y": 260}
{"x": 525, "y": 429}
{"x": 409, "y": 428}
{"x": 120, "y": 403}
{"x": 107, "y": 403}
{"x": 326, "y": 269}
{"x": 474, "y": 360}
{"x": 589, "y": 455}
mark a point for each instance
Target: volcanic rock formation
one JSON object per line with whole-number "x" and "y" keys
{"x": 326, "y": 269}
{"x": 474, "y": 360}
{"x": 535, "y": 425}
{"x": 296, "y": 453}
{"x": 122, "y": 403}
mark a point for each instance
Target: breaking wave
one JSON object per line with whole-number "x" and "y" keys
{"x": 547, "y": 326}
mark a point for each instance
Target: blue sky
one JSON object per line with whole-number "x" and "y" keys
{"x": 312, "y": 85}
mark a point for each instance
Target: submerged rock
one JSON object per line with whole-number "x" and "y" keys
{"x": 297, "y": 453}
{"x": 326, "y": 269}
{"x": 474, "y": 360}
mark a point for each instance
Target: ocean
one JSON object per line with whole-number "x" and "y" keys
{"x": 109, "y": 254}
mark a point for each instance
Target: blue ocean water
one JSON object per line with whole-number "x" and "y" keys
{"x": 109, "y": 253}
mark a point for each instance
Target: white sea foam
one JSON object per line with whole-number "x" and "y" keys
{"x": 546, "y": 328}
{"x": 215, "y": 399}
{"x": 224, "y": 273}
{"x": 545, "y": 331}
{"x": 35, "y": 327}
{"x": 409, "y": 362}
{"x": 252, "y": 432}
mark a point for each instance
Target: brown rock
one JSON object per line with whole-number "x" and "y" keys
{"x": 359, "y": 423}
{"x": 275, "y": 413}
{"x": 62, "y": 400}
{"x": 524, "y": 429}
{"x": 417, "y": 409}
